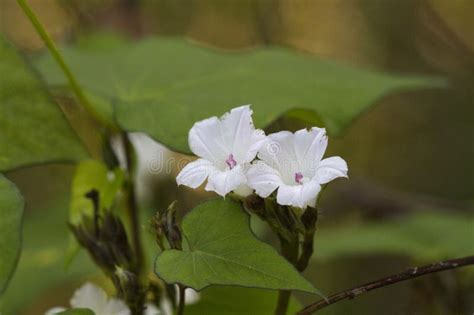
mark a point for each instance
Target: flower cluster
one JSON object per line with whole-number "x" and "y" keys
{"x": 234, "y": 156}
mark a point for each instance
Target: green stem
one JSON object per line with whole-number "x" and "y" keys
{"x": 132, "y": 203}
{"x": 289, "y": 250}
{"x": 62, "y": 64}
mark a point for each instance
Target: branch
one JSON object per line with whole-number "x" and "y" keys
{"x": 405, "y": 275}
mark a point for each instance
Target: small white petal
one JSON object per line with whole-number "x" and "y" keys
{"x": 166, "y": 307}
{"x": 223, "y": 182}
{"x": 310, "y": 146}
{"x": 263, "y": 178}
{"x": 116, "y": 307}
{"x": 299, "y": 196}
{"x": 330, "y": 169}
{"x": 192, "y": 296}
{"x": 195, "y": 173}
{"x": 55, "y": 310}
{"x": 205, "y": 140}
{"x": 90, "y": 296}
{"x": 152, "y": 310}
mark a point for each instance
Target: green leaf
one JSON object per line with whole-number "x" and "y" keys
{"x": 163, "y": 86}
{"x": 77, "y": 311}
{"x": 93, "y": 174}
{"x": 423, "y": 236}
{"x": 40, "y": 271}
{"x": 228, "y": 300}
{"x": 11, "y": 212}
{"x": 221, "y": 249}
{"x": 32, "y": 128}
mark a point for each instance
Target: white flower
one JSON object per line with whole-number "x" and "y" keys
{"x": 225, "y": 148}
{"x": 293, "y": 164}
{"x": 94, "y": 298}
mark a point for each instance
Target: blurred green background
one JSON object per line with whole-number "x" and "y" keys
{"x": 409, "y": 199}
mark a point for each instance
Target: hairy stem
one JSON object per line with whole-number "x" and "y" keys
{"x": 403, "y": 276}
{"x": 182, "y": 299}
{"x": 73, "y": 83}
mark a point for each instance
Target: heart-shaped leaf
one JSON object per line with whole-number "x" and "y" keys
{"x": 11, "y": 212}
{"x": 163, "y": 86}
{"x": 221, "y": 249}
{"x": 32, "y": 128}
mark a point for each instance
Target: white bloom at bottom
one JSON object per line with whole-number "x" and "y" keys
{"x": 293, "y": 164}
{"x": 94, "y": 298}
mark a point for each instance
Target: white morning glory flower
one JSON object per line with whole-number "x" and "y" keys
{"x": 293, "y": 164}
{"x": 94, "y": 298}
{"x": 225, "y": 148}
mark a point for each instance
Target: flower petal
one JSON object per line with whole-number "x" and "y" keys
{"x": 205, "y": 140}
{"x": 90, "y": 296}
{"x": 330, "y": 169}
{"x": 55, "y": 310}
{"x": 239, "y": 132}
{"x": 310, "y": 146}
{"x": 263, "y": 178}
{"x": 279, "y": 153}
{"x": 152, "y": 310}
{"x": 223, "y": 182}
{"x": 195, "y": 173}
{"x": 299, "y": 196}
{"x": 116, "y": 307}
{"x": 257, "y": 141}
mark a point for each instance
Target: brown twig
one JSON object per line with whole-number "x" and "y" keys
{"x": 405, "y": 275}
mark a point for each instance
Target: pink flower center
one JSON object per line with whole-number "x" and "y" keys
{"x": 230, "y": 161}
{"x": 298, "y": 177}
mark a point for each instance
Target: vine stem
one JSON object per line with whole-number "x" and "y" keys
{"x": 73, "y": 83}
{"x": 392, "y": 279}
{"x": 132, "y": 203}
{"x": 289, "y": 250}
{"x": 182, "y": 299}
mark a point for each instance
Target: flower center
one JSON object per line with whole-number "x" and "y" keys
{"x": 299, "y": 178}
{"x": 230, "y": 161}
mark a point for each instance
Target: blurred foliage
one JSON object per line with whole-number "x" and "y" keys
{"x": 417, "y": 142}
{"x": 26, "y": 107}
{"x": 11, "y": 214}
{"x": 422, "y": 236}
{"x": 41, "y": 281}
{"x": 77, "y": 311}
{"x": 163, "y": 86}
{"x": 237, "y": 301}
{"x": 92, "y": 174}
